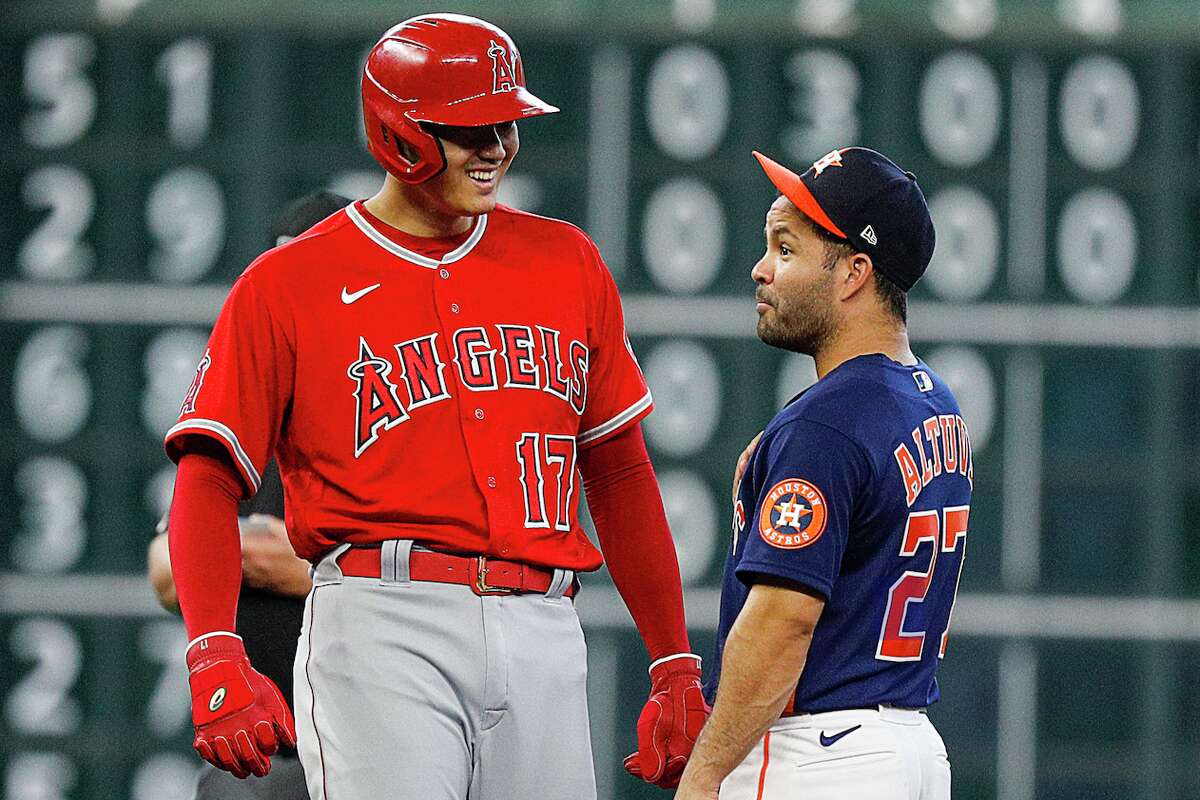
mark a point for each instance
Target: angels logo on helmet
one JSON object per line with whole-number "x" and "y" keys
{"x": 503, "y": 73}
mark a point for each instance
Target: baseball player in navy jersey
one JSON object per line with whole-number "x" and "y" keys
{"x": 434, "y": 373}
{"x": 850, "y": 521}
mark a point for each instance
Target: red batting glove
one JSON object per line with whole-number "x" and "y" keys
{"x": 670, "y": 722}
{"x": 239, "y": 714}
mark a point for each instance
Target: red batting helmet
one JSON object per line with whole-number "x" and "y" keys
{"x": 447, "y": 69}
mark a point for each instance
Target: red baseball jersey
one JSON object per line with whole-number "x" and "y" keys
{"x": 438, "y": 399}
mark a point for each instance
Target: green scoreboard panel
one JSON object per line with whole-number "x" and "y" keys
{"x": 146, "y": 145}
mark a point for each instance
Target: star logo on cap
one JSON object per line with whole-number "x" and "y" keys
{"x": 831, "y": 159}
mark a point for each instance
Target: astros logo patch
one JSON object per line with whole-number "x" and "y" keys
{"x": 793, "y": 515}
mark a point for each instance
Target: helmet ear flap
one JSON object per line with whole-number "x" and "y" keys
{"x": 407, "y": 151}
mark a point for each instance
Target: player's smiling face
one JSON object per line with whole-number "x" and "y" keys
{"x": 795, "y": 287}
{"x": 476, "y": 160}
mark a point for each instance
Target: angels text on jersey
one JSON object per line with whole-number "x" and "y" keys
{"x": 524, "y": 357}
{"x": 486, "y": 359}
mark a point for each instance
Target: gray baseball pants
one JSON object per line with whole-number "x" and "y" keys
{"x": 413, "y": 690}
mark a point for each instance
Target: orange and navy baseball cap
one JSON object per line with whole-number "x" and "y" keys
{"x": 862, "y": 197}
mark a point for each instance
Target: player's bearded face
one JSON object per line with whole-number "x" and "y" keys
{"x": 476, "y": 160}
{"x": 795, "y": 294}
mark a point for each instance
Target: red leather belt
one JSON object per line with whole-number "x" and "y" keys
{"x": 485, "y": 576}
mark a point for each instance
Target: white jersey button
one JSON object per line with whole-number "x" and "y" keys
{"x": 454, "y": 307}
{"x": 445, "y": 273}
{"x": 492, "y": 481}
{"x": 479, "y": 413}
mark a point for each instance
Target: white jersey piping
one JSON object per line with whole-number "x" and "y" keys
{"x": 383, "y": 241}
{"x": 212, "y": 426}
{"x": 617, "y": 421}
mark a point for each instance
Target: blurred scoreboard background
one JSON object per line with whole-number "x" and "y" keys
{"x": 146, "y": 145}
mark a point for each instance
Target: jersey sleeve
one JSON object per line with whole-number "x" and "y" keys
{"x": 617, "y": 394}
{"x": 242, "y": 386}
{"x": 811, "y": 475}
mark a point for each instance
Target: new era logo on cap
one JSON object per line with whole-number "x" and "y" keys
{"x": 868, "y": 233}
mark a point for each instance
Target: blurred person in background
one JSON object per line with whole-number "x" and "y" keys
{"x": 432, "y": 371}
{"x": 850, "y": 520}
{"x": 275, "y": 580}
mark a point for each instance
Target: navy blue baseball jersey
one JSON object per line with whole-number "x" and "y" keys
{"x": 860, "y": 490}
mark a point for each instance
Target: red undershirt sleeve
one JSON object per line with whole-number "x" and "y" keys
{"x": 624, "y": 499}
{"x": 206, "y": 547}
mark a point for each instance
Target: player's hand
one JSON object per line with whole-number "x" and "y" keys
{"x": 743, "y": 461}
{"x": 239, "y": 715}
{"x": 268, "y": 560}
{"x": 669, "y": 723}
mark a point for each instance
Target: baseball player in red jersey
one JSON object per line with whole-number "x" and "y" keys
{"x": 433, "y": 372}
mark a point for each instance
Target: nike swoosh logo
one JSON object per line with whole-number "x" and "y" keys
{"x": 829, "y": 741}
{"x": 350, "y": 297}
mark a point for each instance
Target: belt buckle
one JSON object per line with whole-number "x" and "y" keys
{"x": 480, "y": 584}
